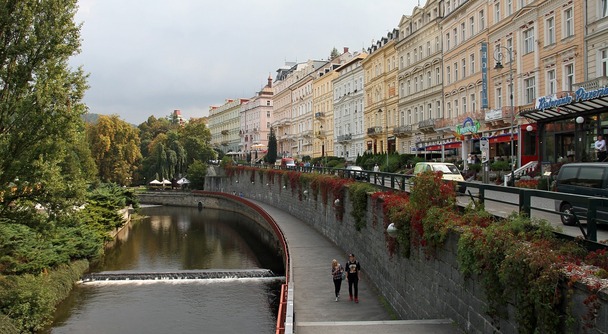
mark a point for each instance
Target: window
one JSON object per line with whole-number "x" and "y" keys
{"x": 402, "y": 89}
{"x": 464, "y": 67}
{"x": 528, "y": 40}
{"x": 473, "y": 102}
{"x": 604, "y": 8}
{"x": 509, "y": 7}
{"x": 449, "y": 115}
{"x": 455, "y": 37}
{"x": 569, "y": 77}
{"x": 472, "y": 26}
{"x": 464, "y": 105}
{"x": 529, "y": 90}
{"x": 551, "y": 82}
{"x": 568, "y": 23}
{"x": 447, "y": 71}
{"x": 482, "y": 20}
{"x": 437, "y": 75}
{"x": 456, "y": 108}
{"x": 510, "y": 46}
{"x": 447, "y": 41}
{"x": 401, "y": 66}
{"x": 472, "y": 63}
{"x": 455, "y": 71}
{"x": 498, "y": 99}
{"x": 409, "y": 86}
{"x": 550, "y": 31}
{"x": 428, "y": 80}
{"x": 437, "y": 46}
{"x": 416, "y": 84}
{"x": 415, "y": 55}
{"x": 428, "y": 48}
{"x": 497, "y": 12}
{"x": 438, "y": 109}
{"x": 462, "y": 32}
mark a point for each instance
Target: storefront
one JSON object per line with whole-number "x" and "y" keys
{"x": 568, "y": 125}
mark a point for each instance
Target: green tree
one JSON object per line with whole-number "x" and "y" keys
{"x": 115, "y": 147}
{"x": 271, "y": 156}
{"x": 196, "y": 174}
{"x": 40, "y": 106}
{"x": 196, "y": 140}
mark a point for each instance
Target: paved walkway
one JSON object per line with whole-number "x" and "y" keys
{"x": 315, "y": 309}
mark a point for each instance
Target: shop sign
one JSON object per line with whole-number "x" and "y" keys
{"x": 580, "y": 95}
{"x": 494, "y": 114}
{"x": 468, "y": 126}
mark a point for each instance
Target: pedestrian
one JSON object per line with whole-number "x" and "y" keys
{"x": 337, "y": 273}
{"x": 600, "y": 148}
{"x": 353, "y": 268}
{"x": 376, "y": 168}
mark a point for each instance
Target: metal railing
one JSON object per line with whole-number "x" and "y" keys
{"x": 395, "y": 181}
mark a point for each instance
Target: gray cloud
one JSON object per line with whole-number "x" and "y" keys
{"x": 149, "y": 57}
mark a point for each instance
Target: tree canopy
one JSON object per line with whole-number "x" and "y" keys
{"x": 40, "y": 104}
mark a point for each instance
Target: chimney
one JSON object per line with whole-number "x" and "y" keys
{"x": 269, "y": 81}
{"x": 345, "y": 49}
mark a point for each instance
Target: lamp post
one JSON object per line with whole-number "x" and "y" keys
{"x": 386, "y": 124}
{"x": 498, "y": 56}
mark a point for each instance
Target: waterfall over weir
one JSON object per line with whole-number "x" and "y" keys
{"x": 177, "y": 275}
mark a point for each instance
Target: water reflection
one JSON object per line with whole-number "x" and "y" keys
{"x": 173, "y": 239}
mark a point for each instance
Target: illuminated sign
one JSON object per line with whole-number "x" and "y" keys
{"x": 468, "y": 126}
{"x": 547, "y": 102}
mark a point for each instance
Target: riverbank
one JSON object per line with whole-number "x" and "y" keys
{"x": 29, "y": 301}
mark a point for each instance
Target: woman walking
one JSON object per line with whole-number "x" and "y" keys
{"x": 336, "y": 272}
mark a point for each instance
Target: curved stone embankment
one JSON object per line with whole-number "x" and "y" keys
{"x": 419, "y": 287}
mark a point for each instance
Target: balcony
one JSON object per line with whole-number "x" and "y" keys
{"x": 344, "y": 138}
{"x": 444, "y": 125}
{"x": 427, "y": 126}
{"x": 592, "y": 84}
{"x": 403, "y": 131}
{"x": 376, "y": 131}
{"x": 225, "y": 132}
{"x": 498, "y": 117}
{"x": 319, "y": 115}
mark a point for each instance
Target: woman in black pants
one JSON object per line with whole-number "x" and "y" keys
{"x": 336, "y": 273}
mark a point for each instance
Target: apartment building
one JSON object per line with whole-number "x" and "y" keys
{"x": 464, "y": 32}
{"x": 256, "y": 117}
{"x": 225, "y": 124}
{"x": 282, "y": 121}
{"x": 349, "y": 132}
{"x": 381, "y": 96}
{"x": 420, "y": 81}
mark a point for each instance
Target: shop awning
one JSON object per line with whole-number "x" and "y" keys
{"x": 447, "y": 146}
{"x": 580, "y": 101}
{"x": 502, "y": 138}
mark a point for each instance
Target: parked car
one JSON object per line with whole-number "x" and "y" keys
{"x": 449, "y": 170}
{"x": 588, "y": 179}
{"x": 356, "y": 172}
{"x": 288, "y": 163}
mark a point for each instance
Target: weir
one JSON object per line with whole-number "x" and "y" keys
{"x": 178, "y": 275}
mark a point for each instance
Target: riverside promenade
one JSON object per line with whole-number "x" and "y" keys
{"x": 315, "y": 308}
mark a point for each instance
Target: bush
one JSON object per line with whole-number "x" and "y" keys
{"x": 500, "y": 165}
{"x": 29, "y": 300}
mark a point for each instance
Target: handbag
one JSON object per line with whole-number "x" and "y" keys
{"x": 343, "y": 274}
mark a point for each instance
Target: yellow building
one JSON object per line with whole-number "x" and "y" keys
{"x": 381, "y": 96}
{"x": 420, "y": 79}
{"x": 224, "y": 125}
{"x": 464, "y": 30}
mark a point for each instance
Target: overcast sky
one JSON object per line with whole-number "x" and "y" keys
{"x": 149, "y": 57}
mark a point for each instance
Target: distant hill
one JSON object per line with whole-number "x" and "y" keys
{"x": 90, "y": 118}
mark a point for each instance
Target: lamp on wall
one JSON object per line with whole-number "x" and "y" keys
{"x": 529, "y": 128}
{"x": 580, "y": 120}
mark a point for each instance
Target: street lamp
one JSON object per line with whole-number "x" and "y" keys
{"x": 498, "y": 56}
{"x": 385, "y": 122}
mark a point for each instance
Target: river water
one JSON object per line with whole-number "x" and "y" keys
{"x": 173, "y": 239}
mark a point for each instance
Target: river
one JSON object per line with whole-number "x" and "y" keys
{"x": 174, "y": 239}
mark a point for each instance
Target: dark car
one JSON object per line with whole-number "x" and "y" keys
{"x": 588, "y": 179}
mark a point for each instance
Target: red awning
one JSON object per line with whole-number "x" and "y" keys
{"x": 502, "y": 138}
{"x": 446, "y": 146}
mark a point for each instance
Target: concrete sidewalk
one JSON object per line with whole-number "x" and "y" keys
{"x": 315, "y": 308}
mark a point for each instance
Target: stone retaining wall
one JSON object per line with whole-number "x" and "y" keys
{"x": 420, "y": 287}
